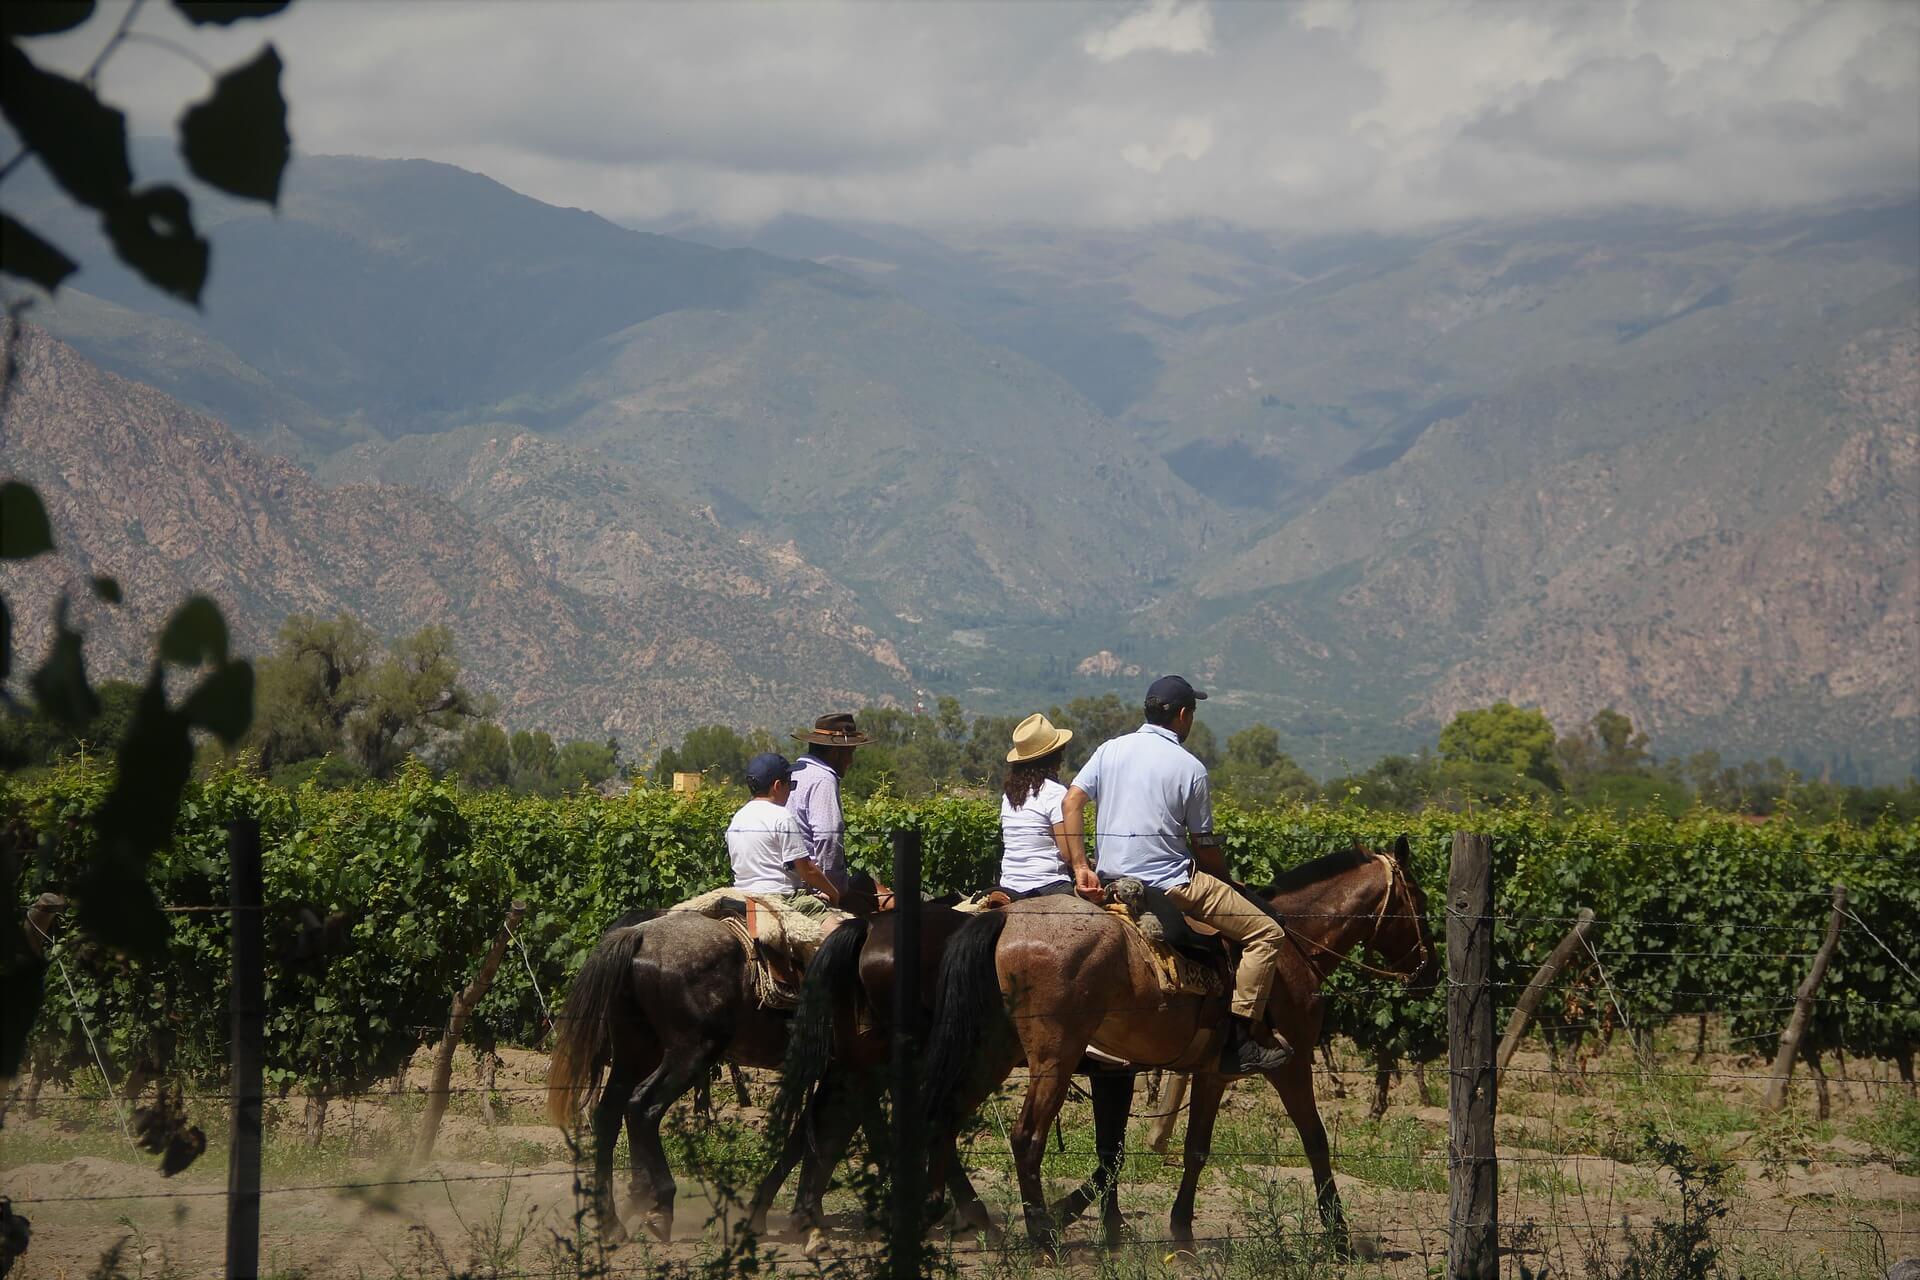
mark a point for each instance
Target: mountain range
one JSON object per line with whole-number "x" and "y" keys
{"x": 1664, "y": 464}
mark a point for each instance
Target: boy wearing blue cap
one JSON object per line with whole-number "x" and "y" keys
{"x": 769, "y": 851}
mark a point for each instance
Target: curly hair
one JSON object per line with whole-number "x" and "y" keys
{"x": 1026, "y": 778}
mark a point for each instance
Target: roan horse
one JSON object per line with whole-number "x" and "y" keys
{"x": 1042, "y": 979}
{"x": 673, "y": 993}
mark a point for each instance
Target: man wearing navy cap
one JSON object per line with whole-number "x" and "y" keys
{"x": 769, "y": 851}
{"x": 1156, "y": 824}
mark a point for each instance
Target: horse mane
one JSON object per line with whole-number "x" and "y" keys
{"x": 1324, "y": 867}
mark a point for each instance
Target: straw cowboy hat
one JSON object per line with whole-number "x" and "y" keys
{"x": 836, "y": 730}
{"x": 1035, "y": 737}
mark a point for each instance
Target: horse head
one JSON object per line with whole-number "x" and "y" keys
{"x": 1402, "y": 941}
{"x": 862, "y": 896}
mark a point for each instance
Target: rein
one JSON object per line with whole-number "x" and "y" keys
{"x": 1379, "y": 919}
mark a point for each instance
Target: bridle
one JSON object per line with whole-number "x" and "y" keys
{"x": 1419, "y": 947}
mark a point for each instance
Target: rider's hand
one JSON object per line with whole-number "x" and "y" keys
{"x": 1087, "y": 885}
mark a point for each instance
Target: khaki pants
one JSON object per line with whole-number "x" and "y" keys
{"x": 1228, "y": 910}
{"x": 806, "y": 918}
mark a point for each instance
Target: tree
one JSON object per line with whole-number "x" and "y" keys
{"x": 586, "y": 764}
{"x": 482, "y": 758}
{"x": 409, "y": 698}
{"x": 1516, "y": 738}
{"x": 329, "y": 691}
{"x": 1257, "y": 771}
{"x": 714, "y": 750}
{"x": 1621, "y": 749}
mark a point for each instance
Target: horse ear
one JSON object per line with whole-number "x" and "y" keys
{"x": 1403, "y": 852}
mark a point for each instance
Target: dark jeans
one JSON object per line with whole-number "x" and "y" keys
{"x": 1057, "y": 889}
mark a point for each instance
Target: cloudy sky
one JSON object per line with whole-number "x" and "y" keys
{"x": 1325, "y": 115}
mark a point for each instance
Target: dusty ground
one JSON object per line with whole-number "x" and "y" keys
{"x": 1835, "y": 1198}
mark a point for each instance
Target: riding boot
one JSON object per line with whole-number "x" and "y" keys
{"x": 1244, "y": 1055}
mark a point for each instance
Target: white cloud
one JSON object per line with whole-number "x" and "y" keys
{"x": 1330, "y": 116}
{"x": 1189, "y": 137}
{"x": 1170, "y": 26}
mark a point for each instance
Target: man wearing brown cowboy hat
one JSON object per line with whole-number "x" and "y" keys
{"x": 815, "y": 799}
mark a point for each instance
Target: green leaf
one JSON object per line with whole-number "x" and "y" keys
{"x": 152, "y": 231}
{"x": 24, "y": 530}
{"x": 236, "y": 139}
{"x": 202, "y": 12}
{"x": 24, "y": 254}
{"x": 107, "y": 589}
{"x": 21, "y": 18}
{"x": 195, "y": 634}
{"x": 60, "y": 687}
{"x": 223, "y": 703}
{"x": 81, "y": 141}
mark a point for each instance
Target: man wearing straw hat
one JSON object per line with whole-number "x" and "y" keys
{"x": 1156, "y": 824}
{"x": 815, "y": 799}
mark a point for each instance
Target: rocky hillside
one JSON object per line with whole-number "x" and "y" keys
{"x": 653, "y": 625}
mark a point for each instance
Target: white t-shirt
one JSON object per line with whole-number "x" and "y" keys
{"x": 761, "y": 840}
{"x": 1031, "y": 856}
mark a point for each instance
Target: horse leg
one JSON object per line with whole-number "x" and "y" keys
{"x": 1112, "y": 1103}
{"x": 607, "y": 1114}
{"x": 1294, "y": 1084}
{"x": 1046, "y": 1092}
{"x": 967, "y": 1205}
{"x": 791, "y": 1151}
{"x": 1203, "y": 1109}
{"x": 672, "y": 1078}
{"x": 826, "y": 1130}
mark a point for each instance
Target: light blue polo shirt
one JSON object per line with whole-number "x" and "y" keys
{"x": 1152, "y": 792}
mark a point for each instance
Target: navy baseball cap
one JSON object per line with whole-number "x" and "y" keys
{"x": 766, "y": 769}
{"x": 1173, "y": 692}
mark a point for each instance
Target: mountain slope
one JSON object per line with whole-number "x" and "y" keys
{"x": 389, "y": 298}
{"x": 167, "y": 501}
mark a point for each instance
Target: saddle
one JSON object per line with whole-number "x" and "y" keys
{"x": 776, "y": 940}
{"x": 1188, "y": 956}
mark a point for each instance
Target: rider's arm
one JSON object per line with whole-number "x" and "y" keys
{"x": 1073, "y": 829}
{"x": 1201, "y": 840}
{"x": 809, "y": 870}
{"x": 1074, "y": 854}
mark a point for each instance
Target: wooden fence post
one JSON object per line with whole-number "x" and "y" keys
{"x": 1472, "y": 1171}
{"x": 1537, "y": 989}
{"x": 249, "y": 1041}
{"x": 463, "y": 1006}
{"x": 1796, "y": 1027}
{"x": 909, "y": 1154}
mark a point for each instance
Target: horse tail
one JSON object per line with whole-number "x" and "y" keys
{"x": 580, "y": 1040}
{"x": 967, "y": 1010}
{"x": 832, "y": 975}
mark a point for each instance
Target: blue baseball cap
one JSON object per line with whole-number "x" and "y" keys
{"x": 766, "y": 769}
{"x": 1173, "y": 693}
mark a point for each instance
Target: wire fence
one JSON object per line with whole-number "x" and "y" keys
{"x": 1583, "y": 1158}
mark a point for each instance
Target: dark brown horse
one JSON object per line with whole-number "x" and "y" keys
{"x": 841, "y": 1038}
{"x": 1043, "y": 979}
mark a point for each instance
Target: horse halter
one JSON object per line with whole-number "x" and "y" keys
{"x": 1419, "y": 947}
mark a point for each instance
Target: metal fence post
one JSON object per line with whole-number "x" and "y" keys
{"x": 909, "y": 1153}
{"x": 1472, "y": 1171}
{"x": 249, "y": 1025}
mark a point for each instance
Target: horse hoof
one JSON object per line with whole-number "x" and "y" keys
{"x": 613, "y": 1233}
{"x": 660, "y": 1226}
{"x": 816, "y": 1244}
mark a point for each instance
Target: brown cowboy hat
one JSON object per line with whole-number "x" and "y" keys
{"x": 836, "y": 730}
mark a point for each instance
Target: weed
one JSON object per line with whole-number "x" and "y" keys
{"x": 1670, "y": 1250}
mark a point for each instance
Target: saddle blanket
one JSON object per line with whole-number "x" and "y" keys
{"x": 777, "y": 939}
